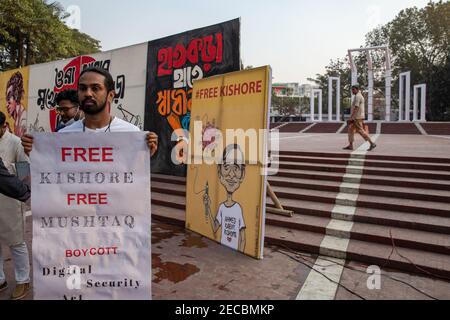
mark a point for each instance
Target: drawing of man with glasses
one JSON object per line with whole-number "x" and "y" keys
{"x": 229, "y": 215}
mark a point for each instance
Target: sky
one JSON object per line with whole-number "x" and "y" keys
{"x": 297, "y": 38}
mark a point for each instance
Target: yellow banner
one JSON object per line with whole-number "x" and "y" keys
{"x": 14, "y": 99}
{"x": 226, "y": 189}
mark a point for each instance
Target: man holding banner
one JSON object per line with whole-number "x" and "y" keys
{"x": 114, "y": 230}
{"x": 96, "y": 93}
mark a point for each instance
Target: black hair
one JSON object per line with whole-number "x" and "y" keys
{"x": 71, "y": 95}
{"x": 2, "y": 118}
{"x": 109, "y": 81}
{"x": 236, "y": 151}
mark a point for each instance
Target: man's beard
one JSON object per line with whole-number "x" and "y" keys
{"x": 93, "y": 109}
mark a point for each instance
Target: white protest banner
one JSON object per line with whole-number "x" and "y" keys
{"x": 91, "y": 216}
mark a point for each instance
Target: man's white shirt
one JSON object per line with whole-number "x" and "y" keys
{"x": 117, "y": 125}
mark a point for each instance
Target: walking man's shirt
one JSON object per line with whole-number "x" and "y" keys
{"x": 358, "y": 101}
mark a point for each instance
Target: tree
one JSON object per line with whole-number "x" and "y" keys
{"x": 419, "y": 40}
{"x": 32, "y": 31}
{"x": 285, "y": 106}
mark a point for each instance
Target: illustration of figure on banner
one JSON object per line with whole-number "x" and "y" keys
{"x": 14, "y": 94}
{"x": 229, "y": 216}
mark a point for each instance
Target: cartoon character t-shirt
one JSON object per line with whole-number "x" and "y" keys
{"x": 231, "y": 221}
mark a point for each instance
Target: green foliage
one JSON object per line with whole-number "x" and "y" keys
{"x": 287, "y": 106}
{"x": 32, "y": 31}
{"x": 419, "y": 40}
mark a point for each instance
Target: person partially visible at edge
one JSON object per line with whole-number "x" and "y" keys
{"x": 13, "y": 187}
{"x": 68, "y": 108}
{"x": 356, "y": 121}
{"x": 12, "y": 219}
{"x": 14, "y": 95}
{"x": 95, "y": 94}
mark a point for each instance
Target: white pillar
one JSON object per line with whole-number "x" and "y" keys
{"x": 405, "y": 96}
{"x": 320, "y": 106}
{"x": 353, "y": 69}
{"x": 330, "y": 98}
{"x": 423, "y": 101}
{"x": 388, "y": 95}
{"x": 370, "y": 81}
{"x": 312, "y": 98}
{"x": 388, "y": 81}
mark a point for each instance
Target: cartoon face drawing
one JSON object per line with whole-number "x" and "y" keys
{"x": 11, "y": 103}
{"x": 231, "y": 176}
{"x": 232, "y": 169}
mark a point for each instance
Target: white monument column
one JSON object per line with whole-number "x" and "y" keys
{"x": 404, "y": 96}
{"x": 423, "y": 101}
{"x": 330, "y": 98}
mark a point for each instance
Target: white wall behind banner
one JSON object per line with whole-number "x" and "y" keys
{"x": 127, "y": 65}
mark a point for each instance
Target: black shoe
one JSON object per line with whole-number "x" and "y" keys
{"x": 348, "y": 148}
{"x": 373, "y": 146}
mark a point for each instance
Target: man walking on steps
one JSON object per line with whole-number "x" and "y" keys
{"x": 356, "y": 121}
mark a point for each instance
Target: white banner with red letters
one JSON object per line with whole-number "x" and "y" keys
{"x": 91, "y": 216}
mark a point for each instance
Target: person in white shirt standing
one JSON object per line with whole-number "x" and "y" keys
{"x": 356, "y": 121}
{"x": 12, "y": 219}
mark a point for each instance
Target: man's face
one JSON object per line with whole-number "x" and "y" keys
{"x": 92, "y": 93}
{"x": 3, "y": 129}
{"x": 67, "y": 110}
{"x": 231, "y": 176}
{"x": 10, "y": 101}
{"x": 354, "y": 90}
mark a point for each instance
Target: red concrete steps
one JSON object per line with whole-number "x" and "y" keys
{"x": 331, "y": 178}
{"x": 305, "y": 174}
{"x": 293, "y": 127}
{"x": 299, "y": 222}
{"x": 405, "y": 238}
{"x": 399, "y": 173}
{"x": 427, "y": 208}
{"x": 399, "y": 128}
{"x": 169, "y": 215}
{"x": 368, "y": 163}
{"x": 314, "y": 154}
{"x": 300, "y": 240}
{"x": 305, "y": 208}
{"x": 413, "y": 239}
{"x": 405, "y": 220}
{"x": 169, "y": 179}
{"x": 305, "y": 232}
{"x": 380, "y": 254}
{"x": 367, "y": 156}
{"x": 437, "y": 128}
{"x": 418, "y": 183}
{"x": 310, "y": 184}
{"x": 313, "y": 202}
{"x": 367, "y": 201}
{"x": 367, "y": 189}
{"x": 325, "y": 128}
{"x": 169, "y": 200}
